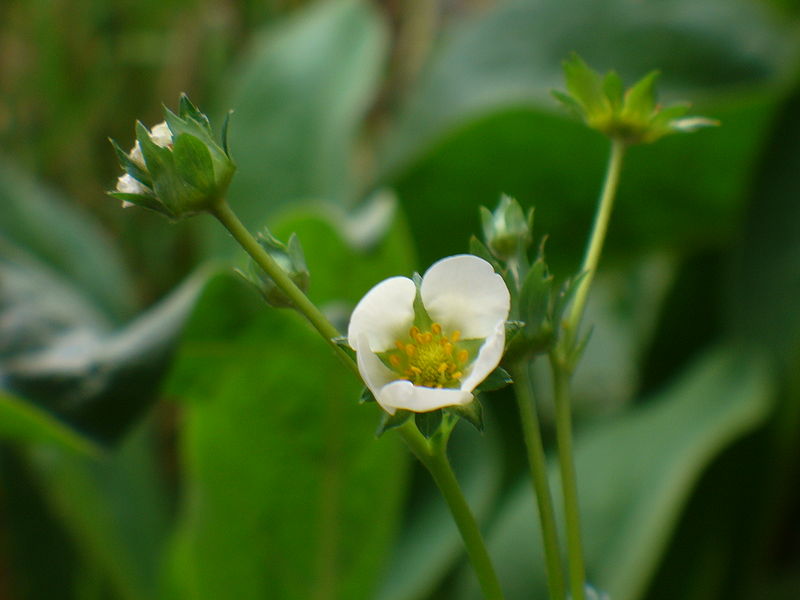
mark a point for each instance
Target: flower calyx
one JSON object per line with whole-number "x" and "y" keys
{"x": 290, "y": 258}
{"x": 176, "y": 168}
{"x": 630, "y": 116}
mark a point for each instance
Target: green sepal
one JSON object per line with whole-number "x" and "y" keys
{"x": 193, "y": 163}
{"x": 584, "y": 85}
{"x": 428, "y": 422}
{"x": 187, "y": 110}
{"x": 496, "y": 380}
{"x": 536, "y": 306}
{"x": 130, "y": 167}
{"x": 389, "y": 422}
{"x": 421, "y": 317}
{"x": 640, "y": 99}
{"x": 168, "y": 187}
{"x": 569, "y": 103}
{"x": 224, "y": 135}
{"x": 479, "y": 249}
{"x": 366, "y": 396}
{"x": 142, "y": 201}
{"x": 614, "y": 89}
{"x": 342, "y": 342}
{"x": 513, "y": 329}
{"x": 472, "y": 413}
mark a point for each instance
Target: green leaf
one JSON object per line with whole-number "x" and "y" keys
{"x": 299, "y": 99}
{"x": 635, "y": 474}
{"x": 269, "y": 412}
{"x": 115, "y": 509}
{"x": 487, "y": 86}
{"x": 41, "y": 222}
{"x": 23, "y": 422}
{"x": 59, "y": 355}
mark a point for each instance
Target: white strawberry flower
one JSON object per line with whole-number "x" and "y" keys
{"x": 431, "y": 354}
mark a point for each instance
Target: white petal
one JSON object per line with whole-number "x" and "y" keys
{"x": 463, "y": 292}
{"x": 384, "y": 314}
{"x": 404, "y": 395}
{"x": 136, "y": 155}
{"x": 161, "y": 135}
{"x": 488, "y": 358}
{"x": 128, "y": 185}
{"x": 374, "y": 373}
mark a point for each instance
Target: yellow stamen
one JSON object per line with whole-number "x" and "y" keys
{"x": 455, "y": 336}
{"x": 395, "y": 360}
{"x": 436, "y": 329}
{"x": 462, "y": 356}
{"x": 411, "y": 349}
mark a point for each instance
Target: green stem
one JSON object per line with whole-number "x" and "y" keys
{"x": 569, "y": 485}
{"x": 541, "y": 486}
{"x": 598, "y": 235}
{"x": 245, "y": 239}
{"x": 434, "y": 457}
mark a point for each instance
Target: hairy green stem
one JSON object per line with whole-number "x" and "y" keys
{"x": 569, "y": 481}
{"x": 541, "y": 486}
{"x": 434, "y": 457}
{"x": 598, "y": 235}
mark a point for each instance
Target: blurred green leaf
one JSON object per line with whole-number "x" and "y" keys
{"x": 299, "y": 98}
{"x": 480, "y": 122}
{"x": 23, "y": 422}
{"x": 39, "y": 221}
{"x": 635, "y": 474}
{"x": 59, "y": 354}
{"x": 272, "y": 414}
{"x": 511, "y": 55}
{"x": 114, "y": 508}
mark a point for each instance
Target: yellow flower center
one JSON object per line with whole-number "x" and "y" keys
{"x": 429, "y": 358}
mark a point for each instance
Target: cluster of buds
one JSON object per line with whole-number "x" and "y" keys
{"x": 630, "y": 116}
{"x": 176, "y": 168}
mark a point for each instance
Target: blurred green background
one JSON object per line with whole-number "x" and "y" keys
{"x": 163, "y": 434}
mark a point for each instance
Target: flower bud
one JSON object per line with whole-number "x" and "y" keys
{"x": 176, "y": 168}
{"x": 507, "y": 230}
{"x": 290, "y": 258}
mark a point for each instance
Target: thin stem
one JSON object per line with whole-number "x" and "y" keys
{"x": 598, "y": 235}
{"x": 541, "y": 486}
{"x": 434, "y": 457}
{"x": 245, "y": 239}
{"x": 569, "y": 485}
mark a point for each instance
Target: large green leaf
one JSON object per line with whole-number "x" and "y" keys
{"x": 298, "y": 99}
{"x": 114, "y": 508}
{"x": 23, "y": 422}
{"x": 288, "y": 494}
{"x": 480, "y": 123}
{"x": 59, "y": 353}
{"x": 511, "y": 56}
{"x": 39, "y": 221}
{"x": 635, "y": 473}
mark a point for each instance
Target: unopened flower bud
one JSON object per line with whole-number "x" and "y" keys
{"x": 507, "y": 230}
{"x": 290, "y": 258}
{"x": 176, "y": 168}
